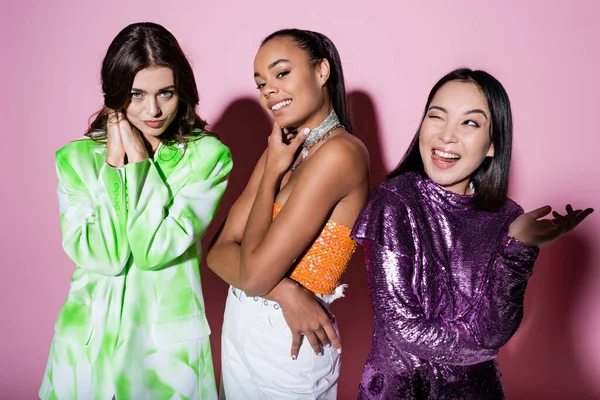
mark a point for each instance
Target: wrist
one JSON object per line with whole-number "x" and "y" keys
{"x": 281, "y": 292}
{"x": 115, "y": 161}
{"x": 137, "y": 155}
{"x": 269, "y": 183}
{"x": 521, "y": 238}
{"x": 136, "y": 159}
{"x": 273, "y": 177}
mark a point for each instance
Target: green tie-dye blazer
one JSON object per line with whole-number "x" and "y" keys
{"x": 133, "y": 325}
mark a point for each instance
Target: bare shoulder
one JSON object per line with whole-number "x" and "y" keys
{"x": 344, "y": 151}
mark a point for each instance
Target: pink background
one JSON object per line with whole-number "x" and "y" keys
{"x": 546, "y": 53}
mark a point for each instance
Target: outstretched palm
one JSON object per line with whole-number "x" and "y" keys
{"x": 532, "y": 230}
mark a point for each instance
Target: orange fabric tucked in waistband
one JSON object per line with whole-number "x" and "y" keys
{"x": 321, "y": 268}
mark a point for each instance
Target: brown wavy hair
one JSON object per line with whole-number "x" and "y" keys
{"x": 136, "y": 47}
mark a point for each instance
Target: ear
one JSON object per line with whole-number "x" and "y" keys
{"x": 323, "y": 70}
{"x": 490, "y": 152}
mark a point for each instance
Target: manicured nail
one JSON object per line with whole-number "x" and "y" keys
{"x": 306, "y": 131}
{"x": 294, "y": 357}
{"x": 319, "y": 354}
{"x": 339, "y": 351}
{"x": 328, "y": 345}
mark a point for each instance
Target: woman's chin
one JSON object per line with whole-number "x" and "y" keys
{"x": 288, "y": 122}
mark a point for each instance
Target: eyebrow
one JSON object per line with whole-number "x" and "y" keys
{"x": 442, "y": 109}
{"x": 159, "y": 90}
{"x": 273, "y": 65}
{"x": 475, "y": 111}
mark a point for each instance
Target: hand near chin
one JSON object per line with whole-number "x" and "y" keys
{"x": 534, "y": 230}
{"x": 115, "y": 151}
{"x": 132, "y": 141}
{"x": 283, "y": 148}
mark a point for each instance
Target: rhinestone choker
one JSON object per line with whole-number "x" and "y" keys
{"x": 317, "y": 135}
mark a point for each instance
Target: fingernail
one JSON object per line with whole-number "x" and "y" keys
{"x": 306, "y": 131}
{"x": 328, "y": 345}
{"x": 294, "y": 357}
{"x": 319, "y": 354}
{"x": 339, "y": 351}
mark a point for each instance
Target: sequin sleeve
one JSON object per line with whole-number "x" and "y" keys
{"x": 500, "y": 310}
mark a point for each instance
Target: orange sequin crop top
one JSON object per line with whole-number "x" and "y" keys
{"x": 322, "y": 266}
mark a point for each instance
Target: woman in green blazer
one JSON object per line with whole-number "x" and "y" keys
{"x": 135, "y": 196}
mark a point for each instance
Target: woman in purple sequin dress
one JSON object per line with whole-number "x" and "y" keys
{"x": 448, "y": 255}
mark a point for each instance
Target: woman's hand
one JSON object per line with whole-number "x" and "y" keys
{"x": 115, "y": 152}
{"x": 530, "y": 229}
{"x": 281, "y": 153}
{"x": 132, "y": 141}
{"x": 305, "y": 316}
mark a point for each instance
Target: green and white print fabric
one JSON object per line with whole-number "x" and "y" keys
{"x": 133, "y": 325}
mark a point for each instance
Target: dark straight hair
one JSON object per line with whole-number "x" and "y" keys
{"x": 136, "y": 47}
{"x": 490, "y": 180}
{"x": 318, "y": 47}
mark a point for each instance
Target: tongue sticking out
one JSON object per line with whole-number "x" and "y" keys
{"x": 444, "y": 160}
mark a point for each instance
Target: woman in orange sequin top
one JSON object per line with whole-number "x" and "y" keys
{"x": 286, "y": 241}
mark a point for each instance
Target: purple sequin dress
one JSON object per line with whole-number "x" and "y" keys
{"x": 446, "y": 285}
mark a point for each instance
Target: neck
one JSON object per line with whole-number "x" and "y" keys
{"x": 318, "y": 118}
{"x": 152, "y": 143}
{"x": 462, "y": 188}
{"x": 316, "y": 135}
{"x": 312, "y": 121}
{"x": 330, "y": 123}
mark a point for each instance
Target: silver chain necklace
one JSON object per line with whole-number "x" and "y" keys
{"x": 317, "y": 135}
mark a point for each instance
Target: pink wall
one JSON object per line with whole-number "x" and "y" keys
{"x": 544, "y": 53}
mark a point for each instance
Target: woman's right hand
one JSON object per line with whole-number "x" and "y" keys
{"x": 115, "y": 151}
{"x": 306, "y": 317}
{"x": 282, "y": 151}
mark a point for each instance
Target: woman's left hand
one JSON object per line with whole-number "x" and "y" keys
{"x": 306, "y": 318}
{"x": 532, "y": 230}
{"x": 279, "y": 154}
{"x": 132, "y": 142}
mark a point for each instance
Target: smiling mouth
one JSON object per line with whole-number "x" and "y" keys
{"x": 280, "y": 105}
{"x": 446, "y": 156}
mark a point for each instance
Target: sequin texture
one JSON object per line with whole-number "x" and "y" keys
{"x": 322, "y": 266}
{"x": 446, "y": 285}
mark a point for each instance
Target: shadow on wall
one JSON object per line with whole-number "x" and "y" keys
{"x": 353, "y": 312}
{"x": 539, "y": 362}
{"x": 245, "y": 127}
